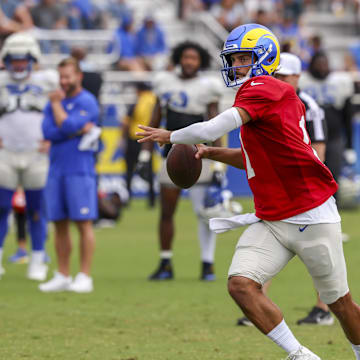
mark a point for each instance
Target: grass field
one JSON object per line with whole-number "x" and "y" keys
{"x": 130, "y": 318}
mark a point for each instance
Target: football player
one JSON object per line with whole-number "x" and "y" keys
{"x": 23, "y": 151}
{"x": 332, "y": 90}
{"x": 296, "y": 213}
{"x": 186, "y": 96}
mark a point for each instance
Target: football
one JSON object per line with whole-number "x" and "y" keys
{"x": 182, "y": 166}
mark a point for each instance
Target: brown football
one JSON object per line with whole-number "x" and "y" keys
{"x": 182, "y": 166}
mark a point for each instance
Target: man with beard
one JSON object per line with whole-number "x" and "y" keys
{"x": 186, "y": 96}
{"x": 70, "y": 124}
{"x": 332, "y": 91}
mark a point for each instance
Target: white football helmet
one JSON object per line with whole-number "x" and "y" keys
{"x": 20, "y": 46}
{"x": 349, "y": 191}
{"x": 218, "y": 203}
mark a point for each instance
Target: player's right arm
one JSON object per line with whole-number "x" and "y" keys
{"x": 224, "y": 155}
{"x": 207, "y": 131}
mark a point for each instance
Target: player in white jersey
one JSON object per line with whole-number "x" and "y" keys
{"x": 185, "y": 96}
{"x": 23, "y": 152}
{"x": 332, "y": 91}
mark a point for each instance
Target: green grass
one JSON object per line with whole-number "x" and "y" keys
{"x": 130, "y": 318}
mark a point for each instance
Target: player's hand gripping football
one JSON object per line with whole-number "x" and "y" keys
{"x": 160, "y": 136}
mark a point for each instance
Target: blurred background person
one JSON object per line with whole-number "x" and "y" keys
{"x": 138, "y": 114}
{"x": 229, "y": 13}
{"x": 50, "y": 15}
{"x": 23, "y": 151}
{"x": 124, "y": 43}
{"x": 14, "y": 17}
{"x": 70, "y": 124}
{"x": 186, "y": 96}
{"x": 151, "y": 45}
{"x": 333, "y": 91}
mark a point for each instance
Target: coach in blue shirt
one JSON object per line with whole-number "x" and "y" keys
{"x": 70, "y": 120}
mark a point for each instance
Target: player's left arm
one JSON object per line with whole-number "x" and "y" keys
{"x": 207, "y": 131}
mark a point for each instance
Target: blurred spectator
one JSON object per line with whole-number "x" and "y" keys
{"x": 125, "y": 44}
{"x": 187, "y": 7}
{"x": 264, "y": 18}
{"x": 118, "y": 9}
{"x": 253, "y": 6}
{"x": 83, "y": 15}
{"x": 229, "y": 13}
{"x": 14, "y": 17}
{"x": 138, "y": 114}
{"x": 48, "y": 14}
{"x": 292, "y": 8}
{"x": 92, "y": 80}
{"x": 150, "y": 44}
{"x": 289, "y": 31}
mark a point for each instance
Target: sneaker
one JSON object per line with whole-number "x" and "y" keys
{"x": 59, "y": 282}
{"x": 207, "y": 273}
{"x": 20, "y": 257}
{"x": 302, "y": 354}
{"x": 244, "y": 321}
{"x": 82, "y": 284}
{"x": 317, "y": 316}
{"x": 37, "y": 271}
{"x": 164, "y": 271}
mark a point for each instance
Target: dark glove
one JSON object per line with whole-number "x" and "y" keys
{"x": 144, "y": 166}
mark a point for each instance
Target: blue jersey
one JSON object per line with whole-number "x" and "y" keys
{"x": 65, "y": 157}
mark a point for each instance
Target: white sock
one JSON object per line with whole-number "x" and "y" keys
{"x": 207, "y": 240}
{"x": 37, "y": 257}
{"x": 166, "y": 254}
{"x": 1, "y": 254}
{"x": 356, "y": 349}
{"x": 283, "y": 337}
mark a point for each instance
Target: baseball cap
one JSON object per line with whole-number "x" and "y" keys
{"x": 290, "y": 64}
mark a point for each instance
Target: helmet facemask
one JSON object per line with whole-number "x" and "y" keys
{"x": 19, "y": 72}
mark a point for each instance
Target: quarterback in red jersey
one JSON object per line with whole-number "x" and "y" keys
{"x": 296, "y": 213}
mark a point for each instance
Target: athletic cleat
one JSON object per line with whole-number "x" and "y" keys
{"x": 58, "y": 283}
{"x": 302, "y": 354}
{"x": 207, "y": 273}
{"x": 244, "y": 321}
{"x": 82, "y": 284}
{"x": 164, "y": 271}
{"x": 37, "y": 272}
{"x": 20, "y": 257}
{"x": 317, "y": 316}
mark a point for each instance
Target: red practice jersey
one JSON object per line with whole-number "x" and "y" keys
{"x": 284, "y": 174}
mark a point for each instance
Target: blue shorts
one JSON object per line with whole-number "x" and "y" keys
{"x": 71, "y": 197}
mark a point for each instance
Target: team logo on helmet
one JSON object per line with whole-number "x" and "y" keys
{"x": 257, "y": 40}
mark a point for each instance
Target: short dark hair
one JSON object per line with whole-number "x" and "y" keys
{"x": 70, "y": 61}
{"x": 179, "y": 49}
